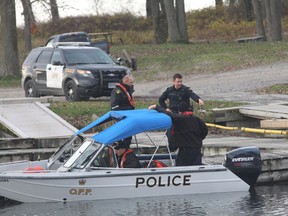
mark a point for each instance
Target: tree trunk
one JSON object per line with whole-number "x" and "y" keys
{"x": 232, "y": 3}
{"x": 149, "y": 8}
{"x": 273, "y": 18}
{"x": 257, "y": 7}
{"x": 181, "y": 20}
{"x": 173, "y": 29}
{"x": 8, "y": 32}
{"x": 54, "y": 10}
{"x": 247, "y": 9}
{"x": 268, "y": 18}
{"x": 28, "y": 18}
{"x": 218, "y": 3}
{"x": 160, "y": 25}
{"x": 276, "y": 33}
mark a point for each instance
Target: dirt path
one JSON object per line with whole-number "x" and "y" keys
{"x": 229, "y": 86}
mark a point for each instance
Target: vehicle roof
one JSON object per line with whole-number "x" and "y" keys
{"x": 77, "y": 47}
{"x": 68, "y": 33}
{"x": 68, "y": 47}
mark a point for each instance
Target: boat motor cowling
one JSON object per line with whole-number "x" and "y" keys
{"x": 245, "y": 163}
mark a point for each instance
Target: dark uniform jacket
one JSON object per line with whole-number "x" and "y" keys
{"x": 176, "y": 96}
{"x": 119, "y": 99}
{"x": 188, "y": 130}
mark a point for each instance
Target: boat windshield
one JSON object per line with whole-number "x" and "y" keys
{"x": 64, "y": 152}
{"x": 83, "y": 155}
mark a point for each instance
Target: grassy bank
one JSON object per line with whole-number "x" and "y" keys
{"x": 80, "y": 114}
{"x": 161, "y": 61}
{"x": 10, "y": 82}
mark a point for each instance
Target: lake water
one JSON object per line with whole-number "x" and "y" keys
{"x": 266, "y": 200}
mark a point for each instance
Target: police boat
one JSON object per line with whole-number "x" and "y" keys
{"x": 87, "y": 168}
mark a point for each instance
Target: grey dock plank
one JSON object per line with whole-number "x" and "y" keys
{"x": 34, "y": 120}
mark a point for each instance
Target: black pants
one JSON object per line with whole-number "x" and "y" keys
{"x": 171, "y": 142}
{"x": 189, "y": 156}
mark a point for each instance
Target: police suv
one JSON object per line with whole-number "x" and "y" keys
{"x": 78, "y": 72}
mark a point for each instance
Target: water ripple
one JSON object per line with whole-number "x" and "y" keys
{"x": 264, "y": 201}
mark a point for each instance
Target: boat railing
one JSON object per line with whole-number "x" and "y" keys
{"x": 157, "y": 146}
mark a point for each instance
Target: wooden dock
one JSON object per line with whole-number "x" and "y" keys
{"x": 271, "y": 116}
{"x": 28, "y": 118}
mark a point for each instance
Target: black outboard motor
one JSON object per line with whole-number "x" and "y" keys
{"x": 245, "y": 163}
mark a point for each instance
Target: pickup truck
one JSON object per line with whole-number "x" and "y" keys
{"x": 100, "y": 40}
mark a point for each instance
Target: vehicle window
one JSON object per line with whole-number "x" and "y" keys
{"x": 56, "y": 57}
{"x": 45, "y": 57}
{"x": 74, "y": 38}
{"x": 87, "y": 56}
{"x": 32, "y": 55}
{"x": 50, "y": 43}
{"x": 105, "y": 158}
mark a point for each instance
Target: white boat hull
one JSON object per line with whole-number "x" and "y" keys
{"x": 21, "y": 165}
{"x": 118, "y": 183}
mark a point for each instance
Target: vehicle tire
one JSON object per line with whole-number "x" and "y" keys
{"x": 71, "y": 91}
{"x": 30, "y": 89}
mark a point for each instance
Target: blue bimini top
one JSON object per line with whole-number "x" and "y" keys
{"x": 128, "y": 123}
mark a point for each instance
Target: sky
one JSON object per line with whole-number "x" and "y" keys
{"x": 87, "y": 7}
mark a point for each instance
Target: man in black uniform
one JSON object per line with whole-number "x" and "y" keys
{"x": 188, "y": 131}
{"x": 126, "y": 156}
{"x": 121, "y": 96}
{"x": 178, "y": 93}
{"x": 122, "y": 99}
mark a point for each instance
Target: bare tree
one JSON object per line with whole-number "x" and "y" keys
{"x": 29, "y": 19}
{"x": 160, "y": 25}
{"x": 218, "y": 3}
{"x": 275, "y": 7}
{"x": 181, "y": 20}
{"x": 98, "y": 6}
{"x": 8, "y": 32}
{"x": 50, "y": 6}
{"x": 149, "y": 8}
{"x": 54, "y": 10}
{"x": 246, "y": 9}
{"x": 273, "y": 17}
{"x": 173, "y": 30}
{"x": 257, "y": 7}
{"x": 176, "y": 20}
{"x": 232, "y": 2}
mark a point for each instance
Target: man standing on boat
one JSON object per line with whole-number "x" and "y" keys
{"x": 126, "y": 156}
{"x": 122, "y": 99}
{"x": 187, "y": 133}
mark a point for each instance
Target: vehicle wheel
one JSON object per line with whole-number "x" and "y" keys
{"x": 71, "y": 91}
{"x": 30, "y": 89}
